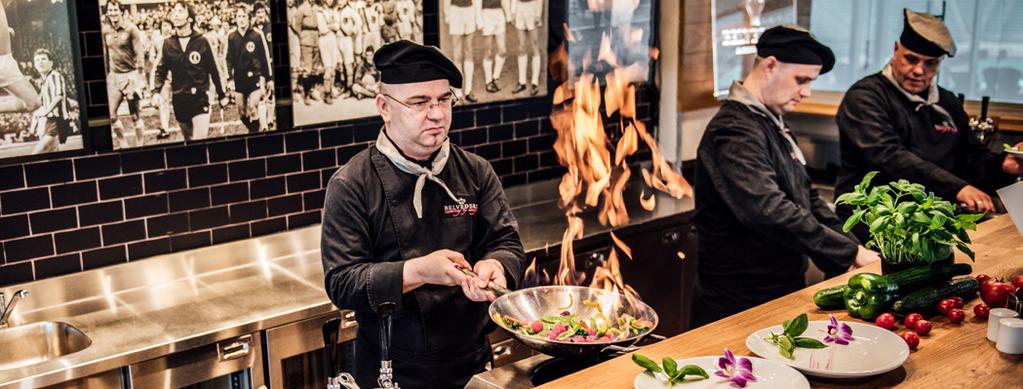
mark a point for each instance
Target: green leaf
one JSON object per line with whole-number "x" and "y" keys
{"x": 785, "y": 326}
{"x": 808, "y": 343}
{"x": 670, "y": 366}
{"x": 878, "y": 224}
{"x": 798, "y": 326}
{"x": 862, "y": 186}
{"x": 646, "y": 363}
{"x": 853, "y": 219}
{"x": 786, "y": 346}
{"x": 693, "y": 370}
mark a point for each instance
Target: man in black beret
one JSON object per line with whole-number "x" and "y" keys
{"x": 757, "y": 216}
{"x": 901, "y": 123}
{"x": 400, "y": 219}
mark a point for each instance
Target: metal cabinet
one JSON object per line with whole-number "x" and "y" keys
{"x": 234, "y": 363}
{"x": 295, "y": 356}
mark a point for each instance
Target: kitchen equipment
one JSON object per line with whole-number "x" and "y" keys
{"x": 335, "y": 380}
{"x": 532, "y": 303}
{"x": 386, "y": 312}
{"x": 231, "y": 363}
{"x": 993, "y": 324}
{"x": 295, "y": 356}
{"x": 873, "y": 351}
{"x": 1010, "y": 336}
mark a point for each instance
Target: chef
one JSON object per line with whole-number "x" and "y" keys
{"x": 901, "y": 123}
{"x": 402, "y": 216}
{"x": 757, "y": 216}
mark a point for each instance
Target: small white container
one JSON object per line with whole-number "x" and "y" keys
{"x": 992, "y": 321}
{"x": 1010, "y": 336}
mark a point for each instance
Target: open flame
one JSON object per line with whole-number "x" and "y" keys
{"x": 594, "y": 179}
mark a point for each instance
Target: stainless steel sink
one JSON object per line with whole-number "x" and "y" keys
{"x": 34, "y": 343}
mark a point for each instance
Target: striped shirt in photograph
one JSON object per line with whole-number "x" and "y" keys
{"x": 54, "y": 89}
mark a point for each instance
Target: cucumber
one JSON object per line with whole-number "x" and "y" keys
{"x": 911, "y": 280}
{"x": 927, "y": 299}
{"x": 830, "y": 298}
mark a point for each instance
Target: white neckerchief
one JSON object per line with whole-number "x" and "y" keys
{"x": 389, "y": 150}
{"x": 932, "y": 96}
{"x": 741, "y": 95}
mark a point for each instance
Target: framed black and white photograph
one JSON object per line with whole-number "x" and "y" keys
{"x": 499, "y": 45}
{"x": 331, "y": 45}
{"x": 187, "y": 70}
{"x": 40, "y": 79}
{"x": 736, "y": 25}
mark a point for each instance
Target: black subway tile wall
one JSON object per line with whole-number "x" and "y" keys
{"x": 102, "y": 208}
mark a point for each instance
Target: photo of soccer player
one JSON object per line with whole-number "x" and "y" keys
{"x": 331, "y": 45}
{"x": 485, "y": 34}
{"x": 39, "y": 79}
{"x": 186, "y": 70}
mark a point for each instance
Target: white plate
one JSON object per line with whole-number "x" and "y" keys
{"x": 770, "y": 374}
{"x": 873, "y": 351}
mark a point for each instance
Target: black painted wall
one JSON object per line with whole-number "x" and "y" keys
{"x": 101, "y": 208}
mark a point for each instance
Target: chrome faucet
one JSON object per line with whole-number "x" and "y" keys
{"x": 6, "y": 309}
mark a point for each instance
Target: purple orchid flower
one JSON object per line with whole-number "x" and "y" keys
{"x": 738, "y": 372}
{"x": 839, "y": 333}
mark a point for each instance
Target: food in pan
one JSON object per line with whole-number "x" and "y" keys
{"x": 571, "y": 327}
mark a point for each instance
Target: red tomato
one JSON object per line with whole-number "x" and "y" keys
{"x": 912, "y": 319}
{"x": 981, "y": 310}
{"x": 945, "y": 305}
{"x": 911, "y": 338}
{"x": 959, "y": 302}
{"x": 956, "y": 315}
{"x": 995, "y": 293}
{"x": 886, "y": 321}
{"x": 536, "y": 326}
{"x": 982, "y": 277}
{"x": 923, "y": 327}
{"x": 1017, "y": 280}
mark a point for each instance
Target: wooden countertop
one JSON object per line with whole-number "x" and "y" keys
{"x": 952, "y": 356}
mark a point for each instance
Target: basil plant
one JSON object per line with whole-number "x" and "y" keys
{"x": 908, "y": 224}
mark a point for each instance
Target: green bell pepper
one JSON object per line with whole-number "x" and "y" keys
{"x": 869, "y": 295}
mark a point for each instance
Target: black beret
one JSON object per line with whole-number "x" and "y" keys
{"x": 927, "y": 35}
{"x": 404, "y": 62}
{"x": 794, "y": 44}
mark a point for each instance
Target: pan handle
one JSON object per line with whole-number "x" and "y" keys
{"x": 497, "y": 289}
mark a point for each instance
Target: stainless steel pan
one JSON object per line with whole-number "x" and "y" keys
{"x": 533, "y": 303}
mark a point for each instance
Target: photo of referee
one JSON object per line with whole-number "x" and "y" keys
{"x": 39, "y": 91}
{"x": 331, "y": 44}
{"x": 185, "y": 70}
{"x": 485, "y": 34}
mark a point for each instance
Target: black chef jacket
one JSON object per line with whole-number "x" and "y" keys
{"x": 370, "y": 228}
{"x": 882, "y": 130}
{"x": 757, "y": 215}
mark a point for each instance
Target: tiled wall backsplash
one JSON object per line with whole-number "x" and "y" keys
{"x": 77, "y": 213}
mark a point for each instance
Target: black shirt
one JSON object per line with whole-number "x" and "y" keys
{"x": 880, "y": 129}
{"x": 193, "y": 66}
{"x": 247, "y": 57}
{"x": 370, "y": 228}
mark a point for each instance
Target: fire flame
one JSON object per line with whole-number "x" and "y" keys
{"x": 593, "y": 179}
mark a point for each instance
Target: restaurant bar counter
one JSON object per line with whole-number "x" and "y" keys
{"x": 951, "y": 356}
{"x": 212, "y": 312}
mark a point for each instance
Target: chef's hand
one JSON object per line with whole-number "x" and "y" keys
{"x": 439, "y": 268}
{"x": 864, "y": 257}
{"x": 487, "y": 271}
{"x": 975, "y": 199}
{"x": 1011, "y": 164}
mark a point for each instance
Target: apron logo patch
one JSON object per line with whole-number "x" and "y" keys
{"x": 456, "y": 210}
{"x": 945, "y": 128}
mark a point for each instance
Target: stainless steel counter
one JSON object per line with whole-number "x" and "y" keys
{"x": 147, "y": 309}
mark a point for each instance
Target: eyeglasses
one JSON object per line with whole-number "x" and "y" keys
{"x": 423, "y": 106}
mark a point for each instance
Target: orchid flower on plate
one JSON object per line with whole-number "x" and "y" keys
{"x": 739, "y": 372}
{"x": 839, "y": 333}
